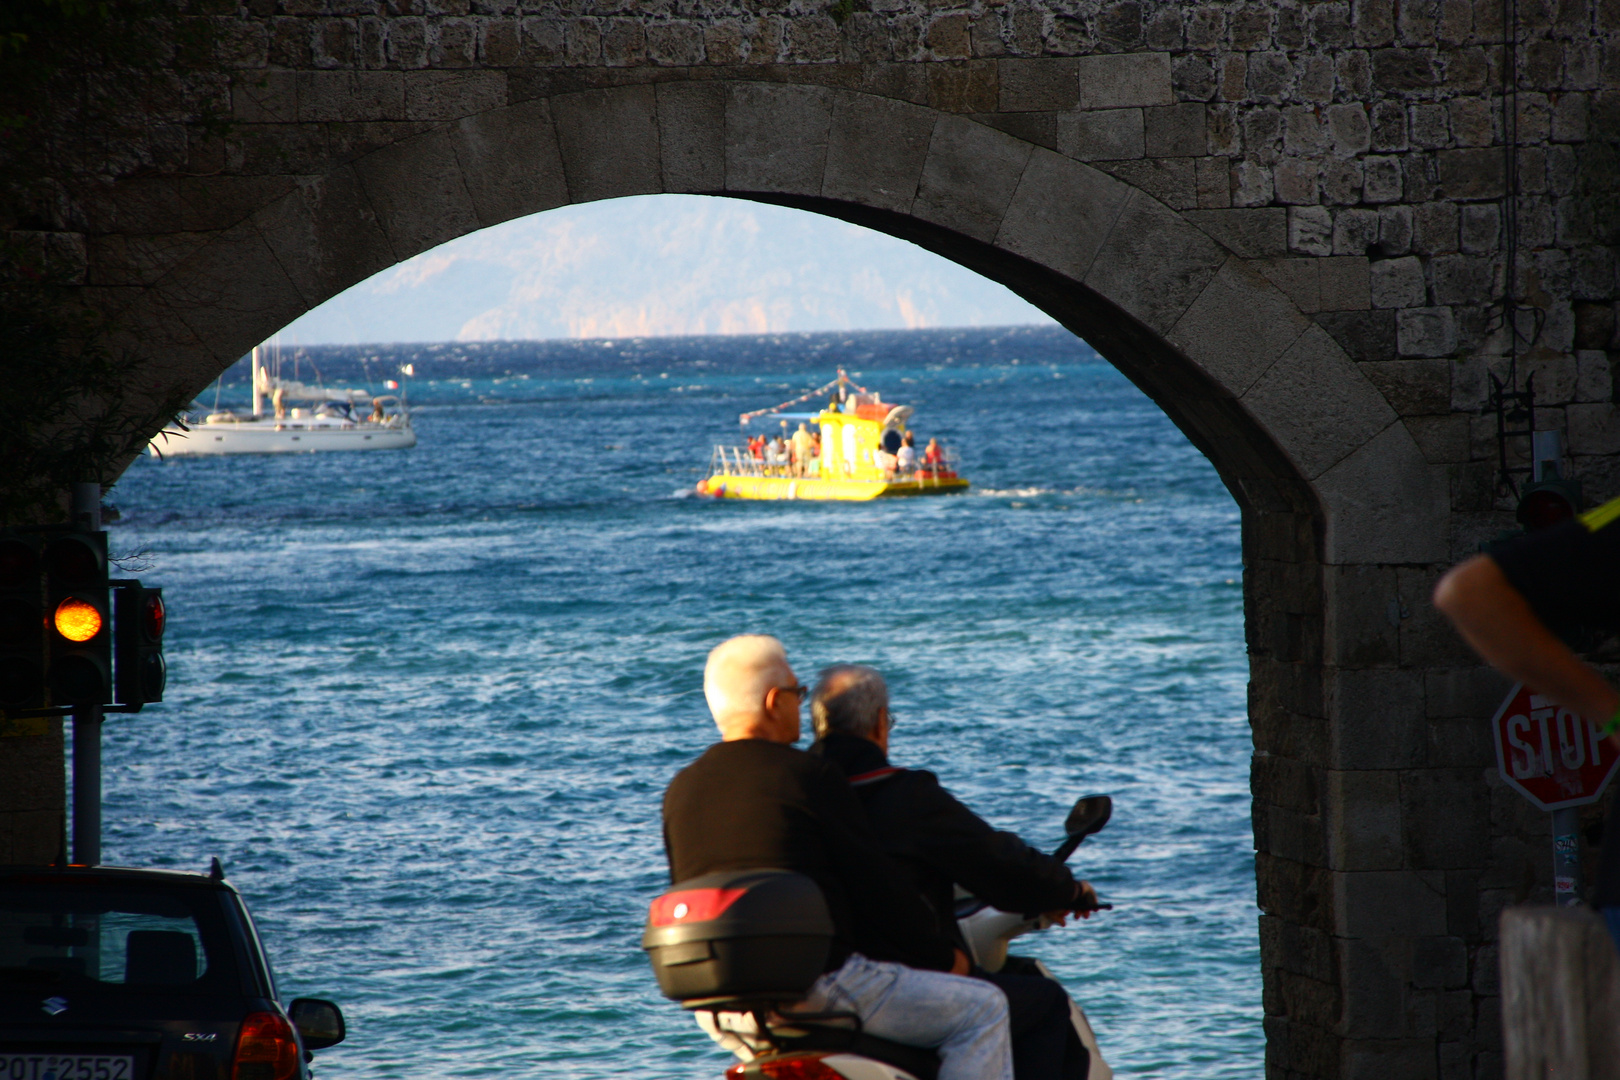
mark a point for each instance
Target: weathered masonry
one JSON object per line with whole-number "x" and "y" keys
{"x": 1288, "y": 222}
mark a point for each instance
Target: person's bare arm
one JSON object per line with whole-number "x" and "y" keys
{"x": 1499, "y": 623}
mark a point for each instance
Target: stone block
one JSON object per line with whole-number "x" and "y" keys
{"x": 1355, "y": 232}
{"x": 416, "y": 188}
{"x": 1214, "y": 179}
{"x": 1374, "y": 975}
{"x": 1107, "y": 134}
{"x": 264, "y": 97}
{"x": 1375, "y": 718}
{"x": 1238, "y": 327}
{"x": 609, "y": 142}
{"x": 1381, "y": 179}
{"x": 1463, "y": 279}
{"x": 776, "y": 137}
{"x": 1363, "y": 817}
{"x": 1349, "y": 129}
{"x": 1594, "y": 379}
{"x": 1398, "y": 283}
{"x": 1480, "y": 228}
{"x": 1593, "y": 428}
{"x": 1038, "y": 85}
{"x": 349, "y": 96}
{"x": 1395, "y": 230}
{"x": 1413, "y": 387}
{"x": 1447, "y": 818}
{"x": 1153, "y": 264}
{"x": 1471, "y": 174}
{"x": 1358, "y": 631}
{"x": 1061, "y": 214}
{"x": 1310, "y": 230}
{"x": 231, "y": 295}
{"x": 325, "y": 235}
{"x": 1379, "y": 905}
{"x": 1444, "y": 440}
{"x": 1176, "y": 131}
{"x": 450, "y": 95}
{"x": 969, "y": 177}
{"x": 1342, "y": 283}
{"x": 1385, "y": 504}
{"x": 1251, "y": 233}
{"x": 1365, "y": 336}
{"x": 1472, "y": 693}
{"x": 510, "y": 161}
{"x": 692, "y": 136}
{"x": 1382, "y": 1058}
{"x": 1316, "y": 404}
{"x": 1297, "y": 180}
{"x": 1125, "y": 80}
{"x": 875, "y": 151}
{"x": 1170, "y": 180}
{"x": 1427, "y": 331}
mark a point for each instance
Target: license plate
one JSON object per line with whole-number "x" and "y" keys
{"x": 66, "y": 1067}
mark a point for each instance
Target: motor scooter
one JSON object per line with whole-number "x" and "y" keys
{"x": 774, "y": 1042}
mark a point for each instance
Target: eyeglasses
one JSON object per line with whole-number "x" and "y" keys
{"x": 800, "y": 691}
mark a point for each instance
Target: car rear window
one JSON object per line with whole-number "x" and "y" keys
{"x": 119, "y": 938}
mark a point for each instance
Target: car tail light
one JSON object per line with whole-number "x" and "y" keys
{"x": 267, "y": 1049}
{"x": 793, "y": 1067}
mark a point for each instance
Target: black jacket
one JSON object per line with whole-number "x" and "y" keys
{"x": 753, "y": 803}
{"x": 941, "y": 843}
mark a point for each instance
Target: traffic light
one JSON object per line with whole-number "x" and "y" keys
{"x": 138, "y": 618}
{"x": 1547, "y": 502}
{"x": 22, "y": 623}
{"x": 78, "y": 626}
{"x": 1551, "y": 495}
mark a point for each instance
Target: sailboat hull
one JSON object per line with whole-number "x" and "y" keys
{"x": 249, "y": 437}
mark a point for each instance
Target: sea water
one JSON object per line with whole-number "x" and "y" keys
{"x": 423, "y": 704}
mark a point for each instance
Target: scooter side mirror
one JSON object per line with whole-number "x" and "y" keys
{"x": 1090, "y": 814}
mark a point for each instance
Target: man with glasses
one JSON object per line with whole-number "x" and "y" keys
{"x": 752, "y": 800}
{"x": 939, "y": 844}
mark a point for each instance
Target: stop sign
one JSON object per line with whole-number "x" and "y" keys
{"x": 1550, "y": 755}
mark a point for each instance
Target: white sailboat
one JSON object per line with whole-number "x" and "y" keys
{"x": 329, "y": 423}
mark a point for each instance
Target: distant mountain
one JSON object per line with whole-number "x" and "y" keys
{"x": 660, "y": 265}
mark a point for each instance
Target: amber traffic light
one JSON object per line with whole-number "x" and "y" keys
{"x": 79, "y": 664}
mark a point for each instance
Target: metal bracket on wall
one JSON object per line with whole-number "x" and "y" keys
{"x": 1513, "y": 407}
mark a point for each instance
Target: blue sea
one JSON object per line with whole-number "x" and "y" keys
{"x": 423, "y": 704}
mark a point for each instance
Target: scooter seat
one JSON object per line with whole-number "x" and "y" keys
{"x": 916, "y": 1060}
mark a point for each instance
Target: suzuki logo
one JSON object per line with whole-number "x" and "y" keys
{"x": 55, "y": 1005}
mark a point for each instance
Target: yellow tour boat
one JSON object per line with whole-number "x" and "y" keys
{"x": 858, "y": 448}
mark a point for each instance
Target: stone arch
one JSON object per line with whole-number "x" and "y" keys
{"x": 1269, "y": 396}
{"x": 1335, "y": 493}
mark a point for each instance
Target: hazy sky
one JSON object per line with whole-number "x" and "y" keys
{"x": 655, "y": 265}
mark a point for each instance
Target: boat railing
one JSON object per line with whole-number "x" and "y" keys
{"x": 740, "y": 461}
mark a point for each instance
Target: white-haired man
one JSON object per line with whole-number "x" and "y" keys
{"x": 752, "y": 800}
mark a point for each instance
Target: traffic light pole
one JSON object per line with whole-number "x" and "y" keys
{"x": 87, "y": 722}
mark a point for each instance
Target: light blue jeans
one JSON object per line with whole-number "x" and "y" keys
{"x": 964, "y": 1019}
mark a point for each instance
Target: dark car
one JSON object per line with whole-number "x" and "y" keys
{"x": 113, "y": 974}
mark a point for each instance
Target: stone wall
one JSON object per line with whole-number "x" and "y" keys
{"x": 1285, "y": 221}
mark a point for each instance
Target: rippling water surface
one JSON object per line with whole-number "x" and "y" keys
{"x": 423, "y": 704}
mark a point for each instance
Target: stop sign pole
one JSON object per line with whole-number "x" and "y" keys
{"x": 1557, "y": 760}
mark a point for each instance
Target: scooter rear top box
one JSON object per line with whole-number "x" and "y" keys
{"x": 760, "y": 934}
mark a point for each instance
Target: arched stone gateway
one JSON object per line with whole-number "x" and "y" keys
{"x": 1284, "y": 222}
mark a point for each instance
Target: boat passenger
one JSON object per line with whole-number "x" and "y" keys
{"x": 802, "y": 447}
{"x": 934, "y": 456}
{"x": 906, "y": 457}
{"x": 377, "y": 413}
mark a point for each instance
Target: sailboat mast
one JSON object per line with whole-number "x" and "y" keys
{"x": 258, "y": 400}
